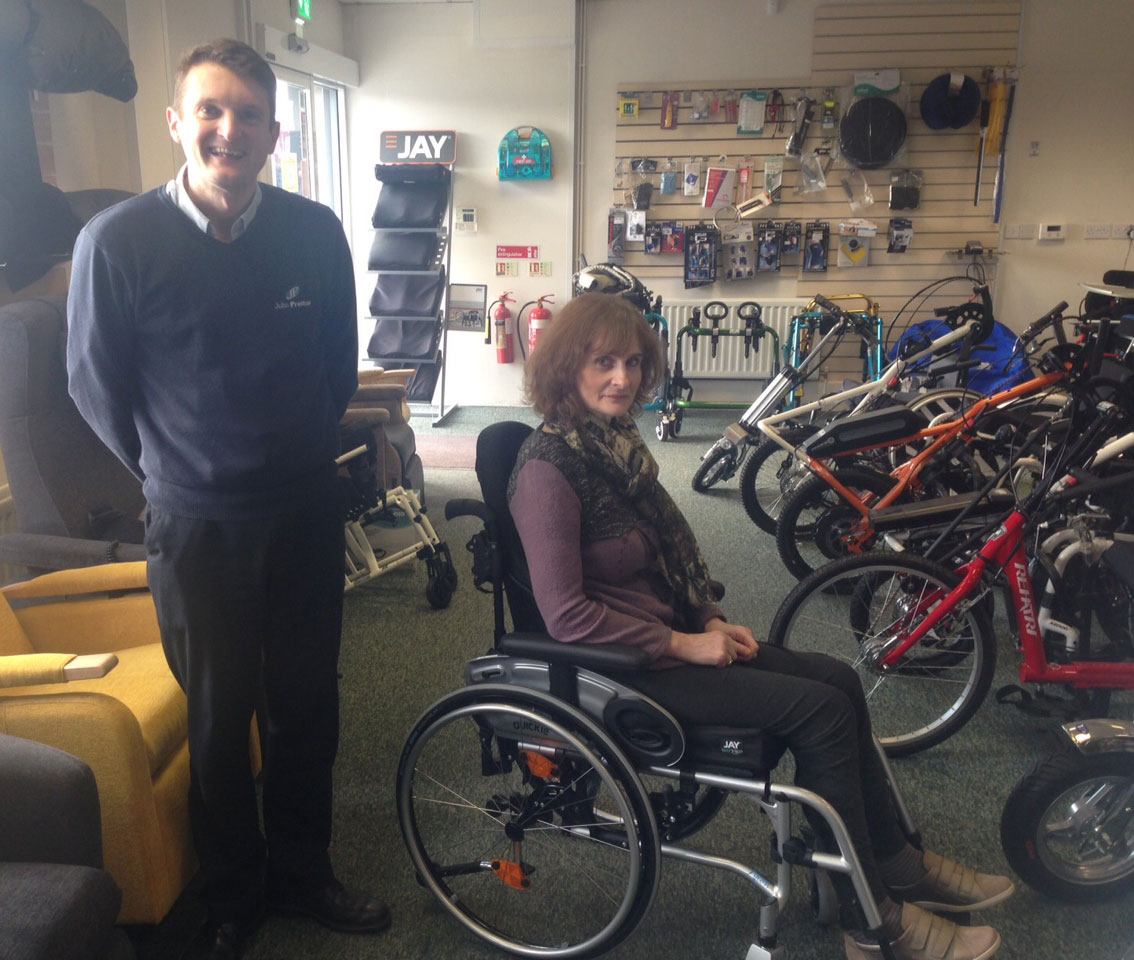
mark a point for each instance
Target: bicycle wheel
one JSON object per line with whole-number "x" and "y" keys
{"x": 814, "y": 519}
{"x": 1068, "y": 825}
{"x": 942, "y": 404}
{"x": 527, "y": 823}
{"x": 768, "y": 478}
{"x": 856, "y": 608}
{"x": 718, "y": 465}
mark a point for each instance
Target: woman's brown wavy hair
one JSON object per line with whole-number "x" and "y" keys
{"x": 589, "y": 323}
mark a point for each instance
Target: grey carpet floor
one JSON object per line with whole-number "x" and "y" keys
{"x": 399, "y": 655}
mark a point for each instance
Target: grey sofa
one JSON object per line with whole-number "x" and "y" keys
{"x": 56, "y": 901}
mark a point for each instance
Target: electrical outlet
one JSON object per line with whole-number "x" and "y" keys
{"x": 1027, "y": 231}
{"x": 1122, "y": 231}
{"x": 1011, "y": 231}
{"x": 1097, "y": 231}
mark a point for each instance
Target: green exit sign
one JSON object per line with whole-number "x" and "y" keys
{"x": 301, "y": 9}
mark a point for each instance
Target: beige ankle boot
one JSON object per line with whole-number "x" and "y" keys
{"x": 926, "y": 936}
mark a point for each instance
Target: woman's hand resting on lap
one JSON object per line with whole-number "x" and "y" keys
{"x": 718, "y": 646}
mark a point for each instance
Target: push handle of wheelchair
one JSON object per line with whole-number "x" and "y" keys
{"x": 462, "y": 507}
{"x": 1052, "y": 317}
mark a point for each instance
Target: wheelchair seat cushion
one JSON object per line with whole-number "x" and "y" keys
{"x": 732, "y": 750}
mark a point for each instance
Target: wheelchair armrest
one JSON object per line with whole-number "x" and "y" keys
{"x": 463, "y": 507}
{"x": 593, "y": 656}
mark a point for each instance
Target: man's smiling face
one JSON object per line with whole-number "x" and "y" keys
{"x": 224, "y": 125}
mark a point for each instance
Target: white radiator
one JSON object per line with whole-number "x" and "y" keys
{"x": 730, "y": 362}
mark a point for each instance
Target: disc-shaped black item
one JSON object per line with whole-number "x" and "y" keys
{"x": 872, "y": 132}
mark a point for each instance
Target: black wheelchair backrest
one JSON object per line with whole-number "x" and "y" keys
{"x": 496, "y": 450}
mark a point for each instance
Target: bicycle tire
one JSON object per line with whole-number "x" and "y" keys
{"x": 764, "y": 491}
{"x": 1066, "y": 829}
{"x": 842, "y": 610}
{"x": 796, "y": 523}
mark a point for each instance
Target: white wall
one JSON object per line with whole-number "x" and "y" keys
{"x": 434, "y": 67}
{"x": 1076, "y": 98}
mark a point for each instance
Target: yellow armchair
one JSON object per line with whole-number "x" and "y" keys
{"x": 59, "y": 634}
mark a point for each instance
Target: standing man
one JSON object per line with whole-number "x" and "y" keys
{"x": 213, "y": 348}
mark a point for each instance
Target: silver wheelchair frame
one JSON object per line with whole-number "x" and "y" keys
{"x": 548, "y": 716}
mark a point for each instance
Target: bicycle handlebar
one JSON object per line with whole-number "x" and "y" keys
{"x": 1052, "y": 316}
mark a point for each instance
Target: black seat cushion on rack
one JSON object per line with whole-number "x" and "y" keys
{"x": 402, "y": 250}
{"x": 872, "y": 132}
{"x": 411, "y": 205}
{"x": 404, "y": 338}
{"x": 407, "y": 294}
{"x": 411, "y": 173}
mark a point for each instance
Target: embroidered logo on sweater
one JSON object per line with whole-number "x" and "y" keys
{"x": 291, "y": 300}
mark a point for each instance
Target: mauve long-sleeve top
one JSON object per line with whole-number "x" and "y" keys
{"x": 589, "y": 587}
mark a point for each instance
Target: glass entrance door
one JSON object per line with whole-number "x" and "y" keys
{"x": 309, "y": 158}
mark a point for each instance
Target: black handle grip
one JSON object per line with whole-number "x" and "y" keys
{"x": 467, "y": 508}
{"x": 1055, "y": 313}
{"x": 716, "y": 311}
{"x": 825, "y": 304}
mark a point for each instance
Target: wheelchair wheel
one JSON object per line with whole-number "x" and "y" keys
{"x": 850, "y": 609}
{"x": 1068, "y": 825}
{"x": 527, "y": 822}
{"x": 442, "y": 583}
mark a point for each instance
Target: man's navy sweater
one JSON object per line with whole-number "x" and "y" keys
{"x": 217, "y": 372}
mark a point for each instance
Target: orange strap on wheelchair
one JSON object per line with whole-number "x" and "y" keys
{"x": 511, "y": 874}
{"x": 540, "y": 766}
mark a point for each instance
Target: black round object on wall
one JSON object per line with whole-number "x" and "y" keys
{"x": 872, "y": 132}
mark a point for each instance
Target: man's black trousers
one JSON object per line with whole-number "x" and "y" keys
{"x": 251, "y": 617}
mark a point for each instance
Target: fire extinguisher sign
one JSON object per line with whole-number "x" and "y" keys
{"x": 516, "y": 252}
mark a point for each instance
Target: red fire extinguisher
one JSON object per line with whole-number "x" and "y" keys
{"x": 502, "y": 319}
{"x": 538, "y": 319}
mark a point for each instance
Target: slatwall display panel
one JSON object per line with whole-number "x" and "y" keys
{"x": 922, "y": 40}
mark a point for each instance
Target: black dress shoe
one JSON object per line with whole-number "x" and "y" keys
{"x": 229, "y": 941}
{"x": 331, "y": 904}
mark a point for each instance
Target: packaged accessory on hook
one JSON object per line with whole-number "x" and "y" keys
{"x": 817, "y": 239}
{"x": 812, "y": 176}
{"x": 669, "y": 178}
{"x": 857, "y": 190}
{"x": 642, "y": 171}
{"x": 804, "y": 113}
{"x": 900, "y": 235}
{"x": 769, "y": 236}
{"x": 792, "y": 231}
{"x": 691, "y": 186}
{"x": 905, "y": 189}
{"x": 701, "y": 244}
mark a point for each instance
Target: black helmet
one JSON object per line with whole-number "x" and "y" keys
{"x": 613, "y": 279}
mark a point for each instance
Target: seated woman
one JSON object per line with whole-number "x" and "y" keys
{"x": 612, "y": 560}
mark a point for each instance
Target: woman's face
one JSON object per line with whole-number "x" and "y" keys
{"x": 609, "y": 381}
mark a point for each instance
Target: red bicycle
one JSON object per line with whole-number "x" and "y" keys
{"x": 919, "y": 631}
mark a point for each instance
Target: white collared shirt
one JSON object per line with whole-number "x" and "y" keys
{"x": 180, "y": 196}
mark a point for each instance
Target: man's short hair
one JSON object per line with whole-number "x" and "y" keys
{"x": 233, "y": 55}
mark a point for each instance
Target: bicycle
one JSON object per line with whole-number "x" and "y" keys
{"x": 783, "y": 391}
{"x": 919, "y": 631}
{"x": 831, "y": 507}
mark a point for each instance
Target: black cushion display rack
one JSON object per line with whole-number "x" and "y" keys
{"x": 410, "y": 255}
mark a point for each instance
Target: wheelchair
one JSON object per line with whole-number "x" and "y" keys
{"x": 525, "y": 797}
{"x": 368, "y": 507}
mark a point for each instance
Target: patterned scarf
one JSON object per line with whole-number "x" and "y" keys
{"x": 617, "y": 451}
